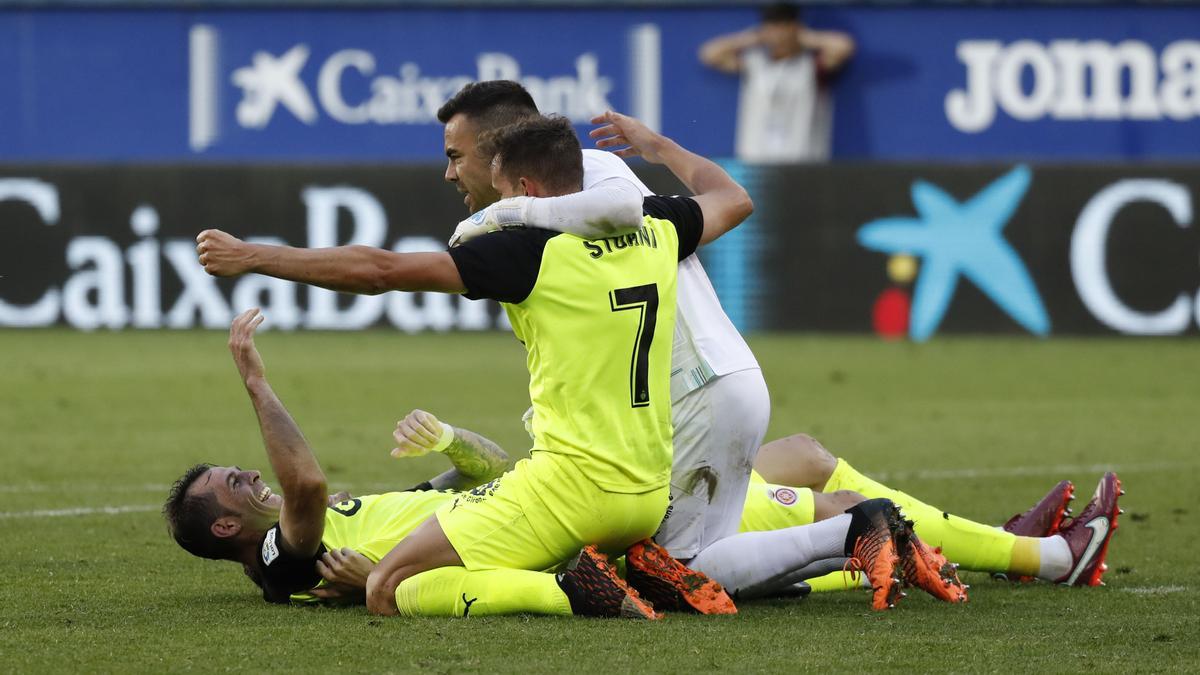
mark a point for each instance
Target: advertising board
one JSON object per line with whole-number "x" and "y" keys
{"x": 364, "y": 84}
{"x": 903, "y": 250}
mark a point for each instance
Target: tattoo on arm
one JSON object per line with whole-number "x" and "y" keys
{"x": 476, "y": 460}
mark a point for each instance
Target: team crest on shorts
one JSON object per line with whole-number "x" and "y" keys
{"x": 785, "y": 496}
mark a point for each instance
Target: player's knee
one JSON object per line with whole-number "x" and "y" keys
{"x": 819, "y": 463}
{"x": 844, "y": 499}
{"x": 830, "y": 504}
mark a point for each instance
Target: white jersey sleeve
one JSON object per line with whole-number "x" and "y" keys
{"x": 706, "y": 342}
{"x": 609, "y": 208}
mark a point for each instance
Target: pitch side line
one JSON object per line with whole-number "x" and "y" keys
{"x": 1154, "y": 590}
{"x": 922, "y": 474}
{"x": 30, "y": 488}
{"x": 1014, "y": 471}
{"x": 80, "y": 511}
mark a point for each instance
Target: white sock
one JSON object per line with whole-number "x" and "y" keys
{"x": 753, "y": 564}
{"x": 1054, "y": 558}
{"x": 822, "y": 567}
{"x": 785, "y": 585}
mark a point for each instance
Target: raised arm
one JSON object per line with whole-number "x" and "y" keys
{"x": 348, "y": 269}
{"x": 833, "y": 48}
{"x": 476, "y": 459}
{"x": 724, "y": 52}
{"x": 302, "y": 520}
{"x": 725, "y": 203}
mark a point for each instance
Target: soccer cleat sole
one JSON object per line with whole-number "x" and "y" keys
{"x": 636, "y": 608}
{"x": 595, "y": 576}
{"x": 671, "y": 586}
{"x": 928, "y": 570}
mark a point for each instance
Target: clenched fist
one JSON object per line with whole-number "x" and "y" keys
{"x": 222, "y": 254}
{"x": 420, "y": 433}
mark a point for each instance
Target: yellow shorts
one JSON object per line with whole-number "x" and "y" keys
{"x": 542, "y": 512}
{"x": 774, "y": 507}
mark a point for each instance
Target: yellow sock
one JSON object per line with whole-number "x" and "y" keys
{"x": 972, "y": 545}
{"x": 457, "y": 591}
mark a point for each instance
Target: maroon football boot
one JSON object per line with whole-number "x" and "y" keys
{"x": 1090, "y": 532}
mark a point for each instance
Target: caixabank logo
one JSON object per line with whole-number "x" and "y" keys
{"x": 1111, "y": 253}
{"x": 955, "y": 240}
{"x": 300, "y": 91}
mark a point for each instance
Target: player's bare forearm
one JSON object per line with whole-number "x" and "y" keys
{"x": 358, "y": 269}
{"x": 725, "y": 203}
{"x": 292, "y": 460}
{"x": 476, "y": 461}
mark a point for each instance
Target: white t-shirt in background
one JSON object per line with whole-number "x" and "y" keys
{"x": 784, "y": 114}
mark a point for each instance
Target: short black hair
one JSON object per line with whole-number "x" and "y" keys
{"x": 490, "y": 104}
{"x": 545, "y": 149}
{"x": 781, "y": 12}
{"x": 190, "y": 518}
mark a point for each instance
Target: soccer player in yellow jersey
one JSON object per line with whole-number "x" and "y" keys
{"x": 229, "y": 513}
{"x": 596, "y": 318}
{"x": 797, "y": 483}
{"x": 284, "y": 540}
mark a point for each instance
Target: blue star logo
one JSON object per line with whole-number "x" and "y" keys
{"x": 953, "y": 240}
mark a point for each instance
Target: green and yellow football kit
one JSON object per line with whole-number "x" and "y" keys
{"x": 371, "y": 525}
{"x": 597, "y": 320}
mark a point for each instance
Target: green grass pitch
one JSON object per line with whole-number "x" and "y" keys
{"x": 979, "y": 426}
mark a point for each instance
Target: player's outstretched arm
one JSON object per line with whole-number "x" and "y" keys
{"x": 348, "y": 269}
{"x": 476, "y": 459}
{"x": 610, "y": 208}
{"x": 302, "y": 520}
{"x": 725, "y": 204}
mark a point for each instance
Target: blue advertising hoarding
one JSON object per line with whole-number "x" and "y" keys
{"x": 363, "y": 85}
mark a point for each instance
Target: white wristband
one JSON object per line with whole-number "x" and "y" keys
{"x": 446, "y": 439}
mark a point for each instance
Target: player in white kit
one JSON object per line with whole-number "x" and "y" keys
{"x": 720, "y": 404}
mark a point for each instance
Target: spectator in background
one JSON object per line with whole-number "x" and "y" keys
{"x": 785, "y": 112}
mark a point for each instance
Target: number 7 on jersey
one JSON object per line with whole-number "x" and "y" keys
{"x": 645, "y": 300}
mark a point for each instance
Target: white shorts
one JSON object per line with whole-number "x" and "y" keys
{"x": 718, "y": 429}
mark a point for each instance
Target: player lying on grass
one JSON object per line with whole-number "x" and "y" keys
{"x": 1036, "y": 544}
{"x": 285, "y": 541}
{"x": 797, "y": 482}
{"x": 600, "y": 473}
{"x": 797, "y": 464}
{"x": 601, "y": 463}
{"x": 226, "y": 513}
